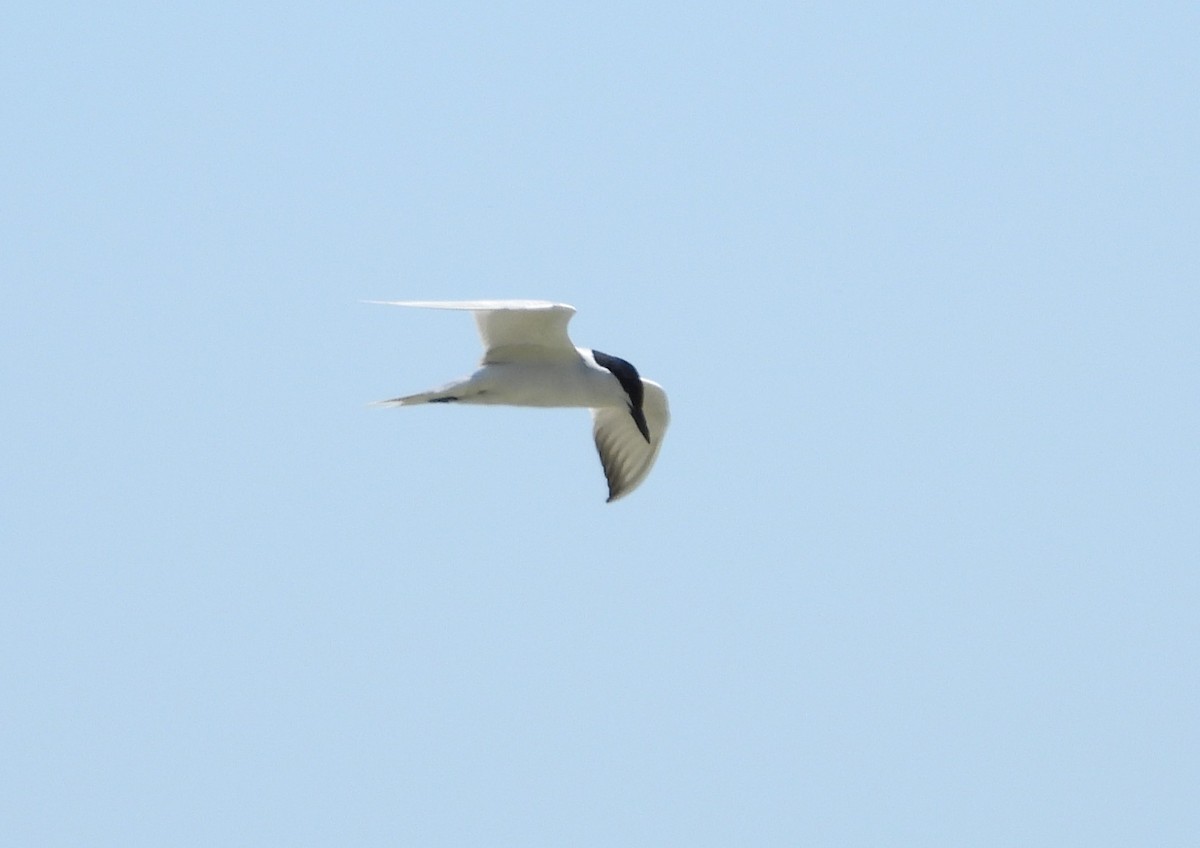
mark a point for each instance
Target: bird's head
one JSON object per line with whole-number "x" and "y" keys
{"x": 631, "y": 382}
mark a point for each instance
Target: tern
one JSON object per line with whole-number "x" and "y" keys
{"x": 529, "y": 360}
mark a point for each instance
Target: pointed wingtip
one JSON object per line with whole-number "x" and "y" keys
{"x": 616, "y": 495}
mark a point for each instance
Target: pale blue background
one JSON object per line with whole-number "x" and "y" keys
{"x": 918, "y": 563}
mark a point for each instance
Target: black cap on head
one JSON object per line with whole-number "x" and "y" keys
{"x": 631, "y": 382}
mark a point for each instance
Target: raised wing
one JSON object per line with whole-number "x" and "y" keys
{"x": 512, "y": 330}
{"x": 624, "y": 452}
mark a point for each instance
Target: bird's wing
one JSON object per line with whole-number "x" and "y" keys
{"x": 624, "y": 452}
{"x": 512, "y": 330}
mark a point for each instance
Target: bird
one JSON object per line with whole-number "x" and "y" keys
{"x": 529, "y": 360}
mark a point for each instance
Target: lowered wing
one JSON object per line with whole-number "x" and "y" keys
{"x": 624, "y": 452}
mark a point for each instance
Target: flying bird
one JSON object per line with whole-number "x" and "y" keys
{"x": 529, "y": 360}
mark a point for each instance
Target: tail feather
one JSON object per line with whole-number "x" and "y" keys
{"x": 408, "y": 400}
{"x": 444, "y": 394}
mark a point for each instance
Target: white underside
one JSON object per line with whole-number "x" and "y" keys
{"x": 571, "y": 381}
{"x": 537, "y": 384}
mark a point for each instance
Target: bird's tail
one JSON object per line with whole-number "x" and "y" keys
{"x": 445, "y": 394}
{"x": 412, "y": 400}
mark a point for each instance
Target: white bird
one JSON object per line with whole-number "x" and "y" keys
{"x": 528, "y": 360}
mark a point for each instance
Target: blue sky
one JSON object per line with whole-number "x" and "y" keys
{"x": 917, "y": 564}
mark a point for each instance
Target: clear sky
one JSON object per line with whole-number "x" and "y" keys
{"x": 918, "y": 562}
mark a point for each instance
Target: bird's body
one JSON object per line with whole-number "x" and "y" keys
{"x": 529, "y": 360}
{"x": 531, "y": 383}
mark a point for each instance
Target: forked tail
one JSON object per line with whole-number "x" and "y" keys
{"x": 445, "y": 394}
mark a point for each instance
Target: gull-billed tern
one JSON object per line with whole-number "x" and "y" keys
{"x": 528, "y": 360}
